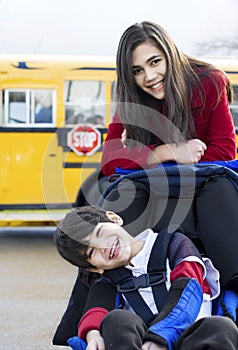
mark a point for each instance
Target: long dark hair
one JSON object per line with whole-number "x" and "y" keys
{"x": 183, "y": 77}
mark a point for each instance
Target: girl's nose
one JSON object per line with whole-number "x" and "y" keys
{"x": 150, "y": 74}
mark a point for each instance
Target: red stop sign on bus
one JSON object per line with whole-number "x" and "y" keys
{"x": 84, "y": 140}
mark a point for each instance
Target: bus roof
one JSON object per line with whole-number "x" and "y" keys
{"x": 66, "y": 61}
{"x": 82, "y": 60}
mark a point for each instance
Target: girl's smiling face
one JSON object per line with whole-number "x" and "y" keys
{"x": 110, "y": 246}
{"x": 149, "y": 69}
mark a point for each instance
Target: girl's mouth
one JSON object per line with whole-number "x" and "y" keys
{"x": 156, "y": 86}
{"x": 115, "y": 249}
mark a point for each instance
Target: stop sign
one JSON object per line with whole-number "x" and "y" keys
{"x": 84, "y": 140}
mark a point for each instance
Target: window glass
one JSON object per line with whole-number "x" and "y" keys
{"x": 28, "y": 106}
{"x": 17, "y": 107}
{"x": 42, "y": 105}
{"x": 113, "y": 98}
{"x": 85, "y": 102}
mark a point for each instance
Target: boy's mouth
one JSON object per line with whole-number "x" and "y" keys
{"x": 114, "y": 251}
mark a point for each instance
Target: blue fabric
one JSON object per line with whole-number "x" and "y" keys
{"x": 119, "y": 301}
{"x": 180, "y": 178}
{"x": 76, "y": 343}
{"x": 226, "y": 304}
{"x": 182, "y": 316}
{"x": 230, "y": 164}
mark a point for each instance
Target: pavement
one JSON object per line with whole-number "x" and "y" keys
{"x": 35, "y": 285}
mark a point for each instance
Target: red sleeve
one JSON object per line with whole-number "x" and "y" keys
{"x": 191, "y": 269}
{"x": 115, "y": 155}
{"x": 215, "y": 125}
{"x": 91, "y": 320}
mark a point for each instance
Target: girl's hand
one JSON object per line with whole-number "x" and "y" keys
{"x": 189, "y": 152}
{"x": 95, "y": 341}
{"x": 149, "y": 345}
{"x": 196, "y": 149}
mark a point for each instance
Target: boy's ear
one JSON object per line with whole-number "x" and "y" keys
{"x": 114, "y": 218}
{"x": 101, "y": 271}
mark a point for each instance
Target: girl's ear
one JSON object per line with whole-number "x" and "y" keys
{"x": 101, "y": 271}
{"x": 114, "y": 218}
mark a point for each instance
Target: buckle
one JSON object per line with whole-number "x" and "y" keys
{"x": 143, "y": 281}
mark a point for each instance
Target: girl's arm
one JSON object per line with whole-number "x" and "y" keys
{"x": 184, "y": 153}
{"x": 116, "y": 155}
{"x": 215, "y": 126}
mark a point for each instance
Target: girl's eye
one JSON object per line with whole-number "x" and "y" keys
{"x": 156, "y": 61}
{"x": 136, "y": 71}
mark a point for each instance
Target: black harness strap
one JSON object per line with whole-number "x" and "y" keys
{"x": 155, "y": 278}
{"x": 157, "y": 262}
{"x": 127, "y": 284}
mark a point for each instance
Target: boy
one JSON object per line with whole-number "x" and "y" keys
{"x": 161, "y": 304}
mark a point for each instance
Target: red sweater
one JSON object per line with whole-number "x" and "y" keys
{"x": 213, "y": 123}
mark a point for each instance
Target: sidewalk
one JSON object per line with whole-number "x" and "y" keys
{"x": 35, "y": 287}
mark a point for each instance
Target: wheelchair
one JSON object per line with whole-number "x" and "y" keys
{"x": 199, "y": 200}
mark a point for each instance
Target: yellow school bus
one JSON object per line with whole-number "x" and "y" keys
{"x": 54, "y": 115}
{"x": 47, "y": 102}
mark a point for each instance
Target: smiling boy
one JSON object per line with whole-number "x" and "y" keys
{"x": 162, "y": 306}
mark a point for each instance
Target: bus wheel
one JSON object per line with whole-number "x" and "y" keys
{"x": 92, "y": 188}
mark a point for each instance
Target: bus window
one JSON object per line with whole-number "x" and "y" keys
{"x": 234, "y": 105}
{"x": 42, "y": 106}
{"x": 16, "y": 106}
{"x": 29, "y": 106}
{"x": 113, "y": 98}
{"x": 85, "y": 102}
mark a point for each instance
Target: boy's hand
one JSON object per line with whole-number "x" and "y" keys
{"x": 149, "y": 345}
{"x": 95, "y": 341}
{"x": 123, "y": 138}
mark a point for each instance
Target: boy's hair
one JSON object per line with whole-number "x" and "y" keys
{"x": 72, "y": 230}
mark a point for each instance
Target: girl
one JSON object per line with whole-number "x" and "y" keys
{"x": 170, "y": 106}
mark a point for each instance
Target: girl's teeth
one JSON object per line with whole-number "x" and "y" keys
{"x": 156, "y": 85}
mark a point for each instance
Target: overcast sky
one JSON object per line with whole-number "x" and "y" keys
{"x": 93, "y": 27}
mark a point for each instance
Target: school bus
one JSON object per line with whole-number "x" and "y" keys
{"x": 43, "y": 160}
{"x": 54, "y": 115}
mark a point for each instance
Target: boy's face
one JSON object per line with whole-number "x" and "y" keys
{"x": 110, "y": 246}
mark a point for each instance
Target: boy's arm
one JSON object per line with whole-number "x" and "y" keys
{"x": 101, "y": 299}
{"x": 178, "y": 313}
{"x": 185, "y": 296}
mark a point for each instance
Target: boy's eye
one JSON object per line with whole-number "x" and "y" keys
{"x": 90, "y": 252}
